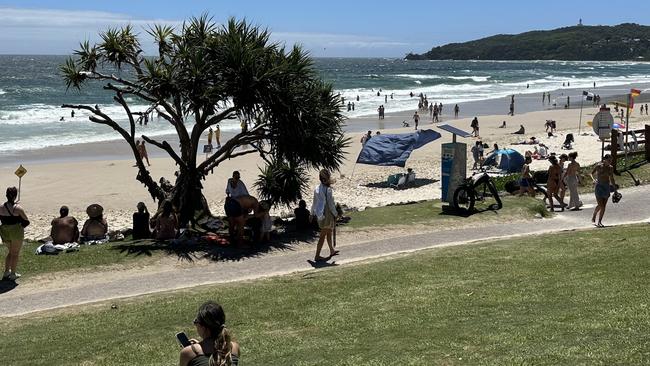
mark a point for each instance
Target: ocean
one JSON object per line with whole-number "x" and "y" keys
{"x": 32, "y": 91}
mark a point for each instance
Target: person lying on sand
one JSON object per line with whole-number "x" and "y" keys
{"x": 530, "y": 141}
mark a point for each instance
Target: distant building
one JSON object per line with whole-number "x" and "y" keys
{"x": 580, "y": 23}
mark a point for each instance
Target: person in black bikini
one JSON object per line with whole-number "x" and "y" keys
{"x": 216, "y": 346}
{"x": 12, "y": 231}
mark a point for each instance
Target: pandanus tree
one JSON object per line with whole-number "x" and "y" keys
{"x": 204, "y": 74}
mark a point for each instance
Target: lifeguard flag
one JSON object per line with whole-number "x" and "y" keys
{"x": 635, "y": 92}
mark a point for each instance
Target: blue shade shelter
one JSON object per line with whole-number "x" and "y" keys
{"x": 511, "y": 160}
{"x": 394, "y": 150}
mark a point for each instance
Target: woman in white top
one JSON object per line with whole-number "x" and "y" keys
{"x": 324, "y": 209}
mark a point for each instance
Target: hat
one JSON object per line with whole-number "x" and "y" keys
{"x": 94, "y": 210}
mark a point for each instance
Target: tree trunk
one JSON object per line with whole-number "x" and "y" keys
{"x": 187, "y": 197}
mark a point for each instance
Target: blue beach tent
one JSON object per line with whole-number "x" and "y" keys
{"x": 511, "y": 161}
{"x": 394, "y": 150}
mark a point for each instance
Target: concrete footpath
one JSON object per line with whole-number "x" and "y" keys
{"x": 632, "y": 209}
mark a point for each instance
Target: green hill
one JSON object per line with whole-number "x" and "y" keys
{"x": 578, "y": 43}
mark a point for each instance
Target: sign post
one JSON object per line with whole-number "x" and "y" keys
{"x": 207, "y": 149}
{"x": 602, "y": 125}
{"x": 20, "y": 172}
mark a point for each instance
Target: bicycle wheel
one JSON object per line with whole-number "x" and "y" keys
{"x": 464, "y": 198}
{"x": 486, "y": 196}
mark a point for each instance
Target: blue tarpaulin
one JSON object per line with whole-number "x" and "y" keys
{"x": 511, "y": 161}
{"x": 394, "y": 150}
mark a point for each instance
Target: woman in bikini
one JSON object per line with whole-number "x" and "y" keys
{"x": 603, "y": 177}
{"x": 12, "y": 231}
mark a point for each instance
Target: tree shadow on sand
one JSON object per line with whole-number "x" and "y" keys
{"x": 419, "y": 182}
{"x": 192, "y": 249}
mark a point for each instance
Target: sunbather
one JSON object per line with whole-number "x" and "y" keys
{"x": 96, "y": 227}
{"x": 165, "y": 223}
{"x": 520, "y": 131}
{"x": 65, "y": 229}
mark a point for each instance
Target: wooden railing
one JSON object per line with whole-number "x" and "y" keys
{"x": 635, "y": 145}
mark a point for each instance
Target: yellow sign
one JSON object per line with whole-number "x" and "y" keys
{"x": 21, "y": 171}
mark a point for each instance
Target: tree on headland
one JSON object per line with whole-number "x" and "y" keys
{"x": 204, "y": 74}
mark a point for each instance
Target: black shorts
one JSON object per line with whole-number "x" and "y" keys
{"x": 232, "y": 207}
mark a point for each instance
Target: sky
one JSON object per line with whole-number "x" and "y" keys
{"x": 332, "y": 28}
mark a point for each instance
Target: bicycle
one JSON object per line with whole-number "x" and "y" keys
{"x": 477, "y": 188}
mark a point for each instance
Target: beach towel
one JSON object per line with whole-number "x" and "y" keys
{"x": 50, "y": 248}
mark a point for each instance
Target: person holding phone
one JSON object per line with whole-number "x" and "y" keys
{"x": 13, "y": 221}
{"x": 216, "y": 347}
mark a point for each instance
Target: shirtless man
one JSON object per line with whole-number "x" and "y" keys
{"x": 603, "y": 177}
{"x": 65, "y": 229}
{"x": 143, "y": 153}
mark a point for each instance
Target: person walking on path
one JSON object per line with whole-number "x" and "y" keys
{"x": 554, "y": 182}
{"x": 603, "y": 177}
{"x": 572, "y": 180}
{"x": 526, "y": 181}
{"x": 324, "y": 209}
{"x": 416, "y": 119}
{"x": 13, "y": 221}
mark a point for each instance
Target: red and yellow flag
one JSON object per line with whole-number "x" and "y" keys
{"x": 635, "y": 92}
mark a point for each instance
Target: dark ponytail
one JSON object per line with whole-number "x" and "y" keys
{"x": 222, "y": 355}
{"x": 212, "y": 316}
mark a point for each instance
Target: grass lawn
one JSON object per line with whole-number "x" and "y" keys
{"x": 88, "y": 257}
{"x": 143, "y": 253}
{"x": 431, "y": 211}
{"x": 566, "y": 299}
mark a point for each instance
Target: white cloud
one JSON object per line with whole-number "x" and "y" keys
{"x": 53, "y": 18}
{"x": 47, "y": 31}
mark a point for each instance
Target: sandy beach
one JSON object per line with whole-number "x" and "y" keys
{"x": 79, "y": 175}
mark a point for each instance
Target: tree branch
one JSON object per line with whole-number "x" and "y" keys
{"x": 230, "y": 156}
{"x": 120, "y": 99}
{"x": 226, "y": 149}
{"x": 165, "y": 146}
{"x": 226, "y": 114}
{"x": 143, "y": 174}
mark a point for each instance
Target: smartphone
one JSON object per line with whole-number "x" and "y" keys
{"x": 182, "y": 339}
